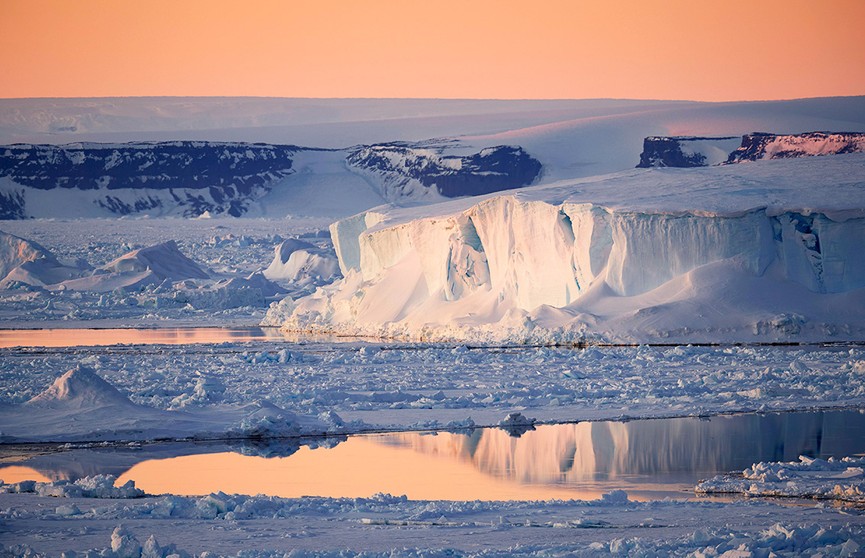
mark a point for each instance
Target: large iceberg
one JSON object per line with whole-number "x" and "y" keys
{"x": 762, "y": 252}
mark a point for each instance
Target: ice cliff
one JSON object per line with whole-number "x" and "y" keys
{"x": 743, "y": 252}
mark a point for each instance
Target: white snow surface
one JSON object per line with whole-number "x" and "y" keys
{"x": 384, "y": 525}
{"x": 761, "y": 252}
{"x": 152, "y": 392}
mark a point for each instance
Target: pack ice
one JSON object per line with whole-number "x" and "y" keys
{"x": 772, "y": 250}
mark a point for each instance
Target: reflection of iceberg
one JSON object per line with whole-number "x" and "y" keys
{"x": 599, "y": 450}
{"x": 662, "y": 456}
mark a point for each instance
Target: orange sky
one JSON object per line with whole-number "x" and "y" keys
{"x": 660, "y": 49}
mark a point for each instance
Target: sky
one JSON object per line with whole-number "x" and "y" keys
{"x": 503, "y": 49}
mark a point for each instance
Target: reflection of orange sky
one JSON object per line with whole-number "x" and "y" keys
{"x": 392, "y": 48}
{"x": 115, "y": 336}
{"x": 359, "y": 467}
{"x": 17, "y": 473}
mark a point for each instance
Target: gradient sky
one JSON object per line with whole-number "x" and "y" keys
{"x": 671, "y": 49}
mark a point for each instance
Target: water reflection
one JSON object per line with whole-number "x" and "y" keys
{"x": 117, "y": 336}
{"x": 648, "y": 458}
{"x": 90, "y": 337}
{"x": 688, "y": 447}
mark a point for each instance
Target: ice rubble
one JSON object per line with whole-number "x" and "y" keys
{"x": 838, "y": 479}
{"x": 768, "y": 251}
{"x": 25, "y": 262}
{"x": 96, "y": 486}
{"x": 81, "y": 406}
{"x": 158, "y": 280}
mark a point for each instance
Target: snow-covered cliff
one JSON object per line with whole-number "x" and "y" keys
{"x": 744, "y": 252}
{"x": 688, "y": 151}
{"x": 758, "y": 146}
{"x": 186, "y": 178}
{"x": 424, "y": 171}
{"x": 158, "y": 178}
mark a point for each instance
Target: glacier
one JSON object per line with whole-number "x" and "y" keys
{"x": 761, "y": 252}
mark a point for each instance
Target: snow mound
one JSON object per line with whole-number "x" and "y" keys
{"x": 80, "y": 388}
{"x": 164, "y": 260}
{"x": 841, "y": 479}
{"x": 643, "y": 255}
{"x": 25, "y": 261}
{"x": 15, "y": 251}
{"x": 302, "y": 263}
{"x": 516, "y": 424}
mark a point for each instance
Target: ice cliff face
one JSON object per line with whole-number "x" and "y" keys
{"x": 606, "y": 248}
{"x": 418, "y": 171}
{"x": 685, "y": 151}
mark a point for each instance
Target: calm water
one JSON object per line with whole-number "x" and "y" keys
{"x": 117, "y": 336}
{"x": 649, "y": 459}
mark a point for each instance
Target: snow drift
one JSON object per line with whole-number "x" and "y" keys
{"x": 754, "y": 252}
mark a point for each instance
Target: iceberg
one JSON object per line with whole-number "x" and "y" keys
{"x": 761, "y": 252}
